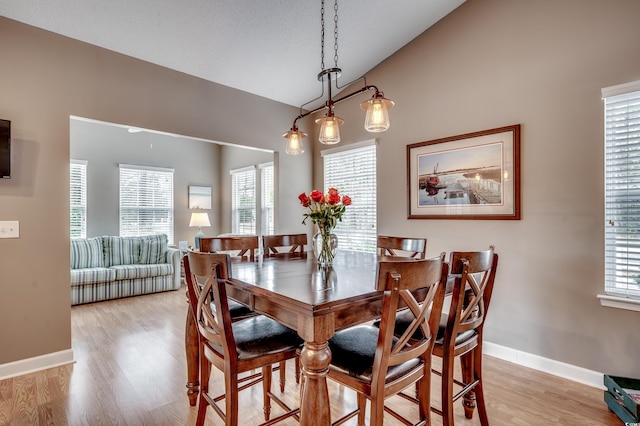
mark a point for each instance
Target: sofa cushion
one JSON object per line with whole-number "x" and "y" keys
{"x": 131, "y": 272}
{"x": 153, "y": 249}
{"x": 121, "y": 250}
{"x": 86, "y": 253}
{"x": 89, "y": 276}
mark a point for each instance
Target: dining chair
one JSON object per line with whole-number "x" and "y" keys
{"x": 242, "y": 248}
{"x": 400, "y": 246}
{"x": 461, "y": 332}
{"x": 377, "y": 364}
{"x": 284, "y": 245}
{"x": 234, "y": 347}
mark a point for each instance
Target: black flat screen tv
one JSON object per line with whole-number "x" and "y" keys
{"x": 5, "y": 149}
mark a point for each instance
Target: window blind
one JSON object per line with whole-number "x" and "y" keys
{"x": 353, "y": 173}
{"x": 267, "y": 199}
{"x": 146, "y": 201}
{"x": 243, "y": 201}
{"x": 78, "y": 199}
{"x": 622, "y": 190}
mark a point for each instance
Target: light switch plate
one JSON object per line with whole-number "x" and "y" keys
{"x": 9, "y": 229}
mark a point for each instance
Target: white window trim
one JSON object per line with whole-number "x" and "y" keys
{"x": 611, "y": 300}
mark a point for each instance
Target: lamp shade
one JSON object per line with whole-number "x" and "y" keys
{"x": 377, "y": 119}
{"x": 294, "y": 141}
{"x": 329, "y": 129}
{"x": 199, "y": 219}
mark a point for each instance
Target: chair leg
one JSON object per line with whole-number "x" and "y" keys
{"x": 447, "y": 390}
{"x": 231, "y": 399}
{"x": 468, "y": 376}
{"x": 266, "y": 388}
{"x": 424, "y": 397}
{"x": 362, "y": 406}
{"x": 283, "y": 375}
{"x": 297, "y": 363}
{"x": 482, "y": 409}
{"x": 205, "y": 371}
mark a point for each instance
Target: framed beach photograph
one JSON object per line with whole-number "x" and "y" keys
{"x": 470, "y": 176}
{"x": 199, "y": 197}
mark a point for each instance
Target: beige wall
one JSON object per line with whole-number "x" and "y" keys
{"x": 493, "y": 63}
{"x": 44, "y": 79}
{"x": 489, "y": 64}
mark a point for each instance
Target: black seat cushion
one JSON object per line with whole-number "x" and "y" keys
{"x": 261, "y": 335}
{"x": 237, "y": 310}
{"x": 405, "y": 317}
{"x": 353, "y": 351}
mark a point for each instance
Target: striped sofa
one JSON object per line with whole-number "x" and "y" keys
{"x": 108, "y": 267}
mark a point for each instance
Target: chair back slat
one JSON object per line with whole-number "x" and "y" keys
{"x": 241, "y": 248}
{"x": 419, "y": 286}
{"x": 474, "y": 274}
{"x": 400, "y": 246}
{"x": 202, "y": 272}
{"x": 285, "y": 245}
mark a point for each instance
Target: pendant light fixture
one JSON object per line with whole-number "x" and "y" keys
{"x": 377, "y": 117}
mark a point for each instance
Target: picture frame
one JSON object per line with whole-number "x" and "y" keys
{"x": 470, "y": 176}
{"x": 199, "y": 197}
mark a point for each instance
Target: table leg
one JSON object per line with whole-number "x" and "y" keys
{"x": 314, "y": 399}
{"x": 192, "y": 352}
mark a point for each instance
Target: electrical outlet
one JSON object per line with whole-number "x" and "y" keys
{"x": 9, "y": 229}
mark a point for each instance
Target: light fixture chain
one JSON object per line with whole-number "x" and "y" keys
{"x": 322, "y": 36}
{"x": 335, "y": 33}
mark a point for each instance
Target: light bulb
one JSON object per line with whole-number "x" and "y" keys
{"x": 329, "y": 130}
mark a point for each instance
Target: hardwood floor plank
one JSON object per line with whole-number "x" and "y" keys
{"x": 131, "y": 370}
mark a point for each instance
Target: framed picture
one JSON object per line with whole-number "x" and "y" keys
{"x": 199, "y": 197}
{"x": 471, "y": 176}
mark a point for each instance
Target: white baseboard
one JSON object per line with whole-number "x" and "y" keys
{"x": 37, "y": 363}
{"x": 557, "y": 368}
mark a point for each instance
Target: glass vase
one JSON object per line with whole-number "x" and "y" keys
{"x": 325, "y": 246}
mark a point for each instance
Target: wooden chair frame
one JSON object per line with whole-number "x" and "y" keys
{"x": 272, "y": 244}
{"x": 474, "y": 274}
{"x": 245, "y": 246}
{"x": 399, "y": 279}
{"x": 214, "y": 327}
{"x": 415, "y": 248}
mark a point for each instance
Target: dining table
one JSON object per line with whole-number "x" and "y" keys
{"x": 312, "y": 299}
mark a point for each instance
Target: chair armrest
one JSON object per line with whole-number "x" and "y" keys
{"x": 173, "y": 257}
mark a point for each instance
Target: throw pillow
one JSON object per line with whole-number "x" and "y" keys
{"x": 153, "y": 249}
{"x": 86, "y": 253}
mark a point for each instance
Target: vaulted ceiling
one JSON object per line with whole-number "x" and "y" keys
{"x": 270, "y": 48}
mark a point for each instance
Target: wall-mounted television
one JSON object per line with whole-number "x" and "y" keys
{"x": 5, "y": 149}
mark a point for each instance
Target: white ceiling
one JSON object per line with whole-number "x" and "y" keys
{"x": 270, "y": 48}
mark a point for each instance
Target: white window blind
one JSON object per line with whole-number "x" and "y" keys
{"x": 146, "y": 201}
{"x": 267, "y": 199}
{"x": 78, "y": 198}
{"x": 243, "y": 201}
{"x": 353, "y": 172}
{"x": 622, "y": 190}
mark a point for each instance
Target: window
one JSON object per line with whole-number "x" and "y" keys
{"x": 353, "y": 173}
{"x": 146, "y": 201}
{"x": 78, "y": 198}
{"x": 253, "y": 207}
{"x": 622, "y": 190}
{"x": 267, "y": 199}
{"x": 243, "y": 201}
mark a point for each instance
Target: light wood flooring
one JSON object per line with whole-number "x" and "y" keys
{"x": 130, "y": 369}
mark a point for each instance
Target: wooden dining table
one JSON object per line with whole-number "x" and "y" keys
{"x": 311, "y": 299}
